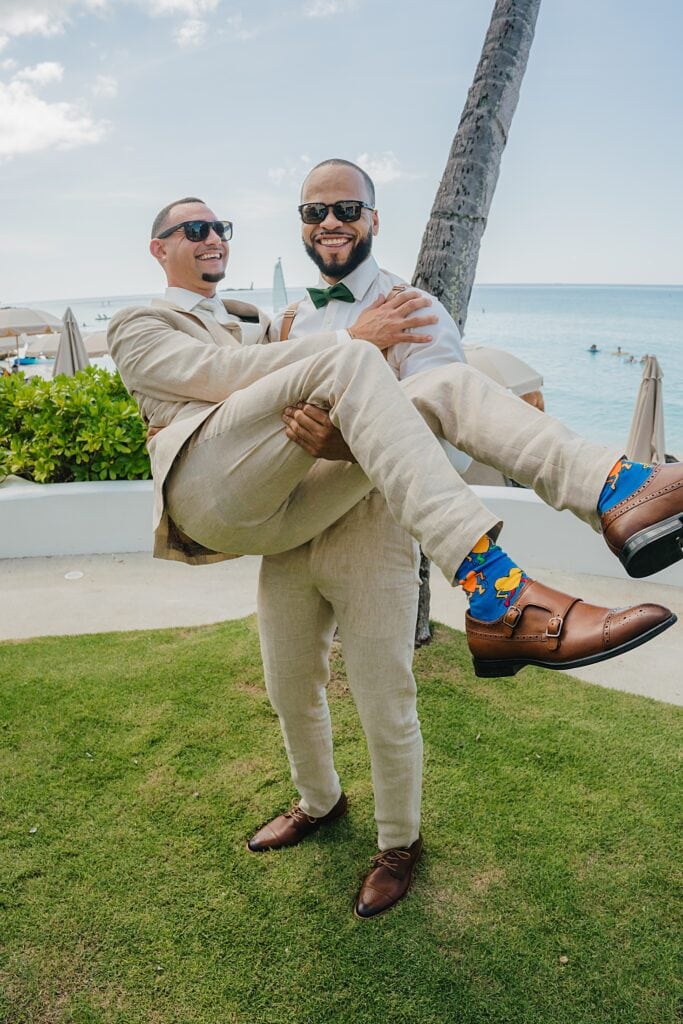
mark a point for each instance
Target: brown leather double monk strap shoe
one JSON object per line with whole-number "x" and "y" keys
{"x": 290, "y": 828}
{"x": 388, "y": 880}
{"x": 553, "y": 630}
{"x": 645, "y": 530}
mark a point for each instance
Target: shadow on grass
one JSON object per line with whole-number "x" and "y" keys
{"x": 136, "y": 765}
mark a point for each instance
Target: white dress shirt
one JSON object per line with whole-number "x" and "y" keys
{"x": 367, "y": 282}
{"x": 187, "y": 300}
{"x": 193, "y": 302}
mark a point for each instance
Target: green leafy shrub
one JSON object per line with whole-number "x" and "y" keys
{"x": 85, "y": 427}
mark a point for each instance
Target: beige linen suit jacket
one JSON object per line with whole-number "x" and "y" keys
{"x": 180, "y": 366}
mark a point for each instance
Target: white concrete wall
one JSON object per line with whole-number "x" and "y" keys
{"x": 74, "y": 519}
{"x": 99, "y": 518}
{"x": 538, "y": 536}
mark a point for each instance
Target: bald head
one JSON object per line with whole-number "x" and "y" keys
{"x": 368, "y": 184}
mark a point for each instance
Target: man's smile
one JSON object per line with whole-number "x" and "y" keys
{"x": 333, "y": 241}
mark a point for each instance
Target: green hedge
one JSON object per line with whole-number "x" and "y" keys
{"x": 85, "y": 427}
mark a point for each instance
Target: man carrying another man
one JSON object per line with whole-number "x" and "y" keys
{"x": 361, "y": 573}
{"x": 228, "y": 479}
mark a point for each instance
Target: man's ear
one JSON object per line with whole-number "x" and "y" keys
{"x": 375, "y": 222}
{"x": 158, "y": 249}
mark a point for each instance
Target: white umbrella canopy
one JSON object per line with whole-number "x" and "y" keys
{"x": 41, "y": 344}
{"x": 505, "y": 368}
{"x": 16, "y": 320}
{"x": 646, "y": 439}
{"x": 47, "y": 344}
{"x": 514, "y": 374}
{"x": 71, "y": 355}
{"x": 96, "y": 343}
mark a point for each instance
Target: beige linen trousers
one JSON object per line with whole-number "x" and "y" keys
{"x": 361, "y": 573}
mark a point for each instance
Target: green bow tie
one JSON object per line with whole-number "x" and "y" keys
{"x": 321, "y": 296}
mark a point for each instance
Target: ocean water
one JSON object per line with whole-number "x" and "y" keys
{"x": 551, "y": 327}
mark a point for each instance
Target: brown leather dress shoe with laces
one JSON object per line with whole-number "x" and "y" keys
{"x": 645, "y": 530}
{"x": 387, "y": 881}
{"x": 290, "y": 828}
{"x": 553, "y": 630}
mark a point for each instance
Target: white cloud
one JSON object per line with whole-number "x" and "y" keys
{"x": 238, "y": 30}
{"x": 51, "y": 17}
{"x": 105, "y": 86}
{"x": 28, "y": 124}
{"x": 293, "y": 171}
{"x": 191, "y": 33}
{"x": 42, "y": 74}
{"x": 326, "y": 8}
{"x": 190, "y": 8}
{"x": 383, "y": 168}
{"x": 41, "y": 17}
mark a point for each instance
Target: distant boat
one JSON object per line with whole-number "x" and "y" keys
{"x": 102, "y": 316}
{"x": 249, "y": 289}
{"x": 280, "y": 300}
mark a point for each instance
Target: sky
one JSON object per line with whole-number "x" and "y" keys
{"x": 109, "y": 109}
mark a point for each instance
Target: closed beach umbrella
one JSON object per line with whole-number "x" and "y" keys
{"x": 646, "y": 440}
{"x": 505, "y": 368}
{"x": 71, "y": 355}
{"x": 17, "y": 320}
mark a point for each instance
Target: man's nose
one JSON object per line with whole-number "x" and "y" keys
{"x": 215, "y": 237}
{"x": 330, "y": 220}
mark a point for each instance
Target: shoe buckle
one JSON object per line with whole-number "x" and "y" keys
{"x": 512, "y": 617}
{"x": 554, "y": 627}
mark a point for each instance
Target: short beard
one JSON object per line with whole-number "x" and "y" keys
{"x": 213, "y": 278}
{"x": 337, "y": 271}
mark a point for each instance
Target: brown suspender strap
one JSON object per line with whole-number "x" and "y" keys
{"x": 288, "y": 320}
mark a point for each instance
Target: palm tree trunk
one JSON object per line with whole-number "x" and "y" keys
{"x": 448, "y": 257}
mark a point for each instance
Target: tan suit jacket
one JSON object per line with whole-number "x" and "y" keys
{"x": 180, "y": 367}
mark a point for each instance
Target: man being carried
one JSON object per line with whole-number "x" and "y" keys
{"x": 227, "y": 479}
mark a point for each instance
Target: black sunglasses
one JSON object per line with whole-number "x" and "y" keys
{"x": 198, "y": 230}
{"x": 345, "y": 210}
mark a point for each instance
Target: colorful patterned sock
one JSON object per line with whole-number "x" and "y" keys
{"x": 490, "y": 579}
{"x": 624, "y": 478}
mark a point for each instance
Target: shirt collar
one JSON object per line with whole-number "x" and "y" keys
{"x": 359, "y": 280}
{"x": 184, "y": 298}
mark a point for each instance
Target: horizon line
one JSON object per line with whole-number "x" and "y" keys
{"x": 260, "y": 288}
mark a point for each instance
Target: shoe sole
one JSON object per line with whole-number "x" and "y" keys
{"x": 380, "y": 913}
{"x": 653, "y": 549}
{"x": 501, "y": 668}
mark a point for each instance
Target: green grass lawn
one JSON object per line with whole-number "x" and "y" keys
{"x": 135, "y": 766}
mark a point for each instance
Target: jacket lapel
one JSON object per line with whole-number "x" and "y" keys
{"x": 220, "y": 333}
{"x": 255, "y": 328}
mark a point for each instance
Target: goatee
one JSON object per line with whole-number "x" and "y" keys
{"x": 213, "y": 278}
